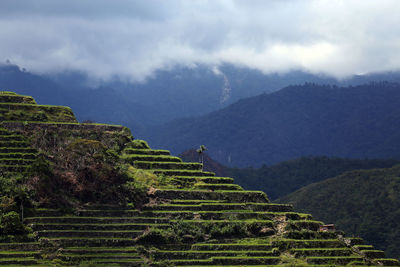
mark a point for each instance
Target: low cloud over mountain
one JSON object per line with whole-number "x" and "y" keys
{"x": 132, "y": 39}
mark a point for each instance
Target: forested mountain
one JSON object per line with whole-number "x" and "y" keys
{"x": 286, "y": 177}
{"x": 168, "y": 94}
{"x": 348, "y": 122}
{"x": 363, "y": 202}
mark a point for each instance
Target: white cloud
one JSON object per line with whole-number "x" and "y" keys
{"x": 132, "y": 39}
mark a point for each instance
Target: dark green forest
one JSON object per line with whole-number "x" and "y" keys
{"x": 286, "y": 177}
{"x": 346, "y": 122}
{"x": 365, "y": 203}
{"x": 281, "y": 179}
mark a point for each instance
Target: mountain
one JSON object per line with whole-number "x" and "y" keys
{"x": 362, "y": 202}
{"x": 80, "y": 194}
{"x": 166, "y": 95}
{"x": 286, "y": 177}
{"x": 283, "y": 178}
{"x": 309, "y": 119}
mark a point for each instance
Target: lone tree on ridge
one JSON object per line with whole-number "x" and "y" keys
{"x": 201, "y": 150}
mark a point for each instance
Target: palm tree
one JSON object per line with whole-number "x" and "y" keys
{"x": 201, "y": 149}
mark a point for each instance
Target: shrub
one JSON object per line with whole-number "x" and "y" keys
{"x": 157, "y": 236}
{"x": 190, "y": 231}
{"x": 258, "y": 229}
{"x": 11, "y": 224}
{"x": 140, "y": 144}
{"x": 7, "y": 204}
{"x": 229, "y": 229}
{"x": 84, "y": 171}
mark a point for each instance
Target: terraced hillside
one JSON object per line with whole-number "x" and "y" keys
{"x": 15, "y": 153}
{"x": 15, "y": 107}
{"x": 188, "y": 217}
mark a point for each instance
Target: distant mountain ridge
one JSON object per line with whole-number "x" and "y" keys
{"x": 167, "y": 95}
{"x": 310, "y": 119}
{"x": 286, "y": 177}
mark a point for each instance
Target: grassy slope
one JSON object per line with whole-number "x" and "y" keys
{"x": 364, "y": 203}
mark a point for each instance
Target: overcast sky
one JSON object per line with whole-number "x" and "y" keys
{"x": 132, "y": 38}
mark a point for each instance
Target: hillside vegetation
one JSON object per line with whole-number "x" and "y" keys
{"x": 346, "y": 122}
{"x": 286, "y": 177}
{"x": 363, "y": 202}
{"x": 281, "y": 179}
{"x": 90, "y": 195}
